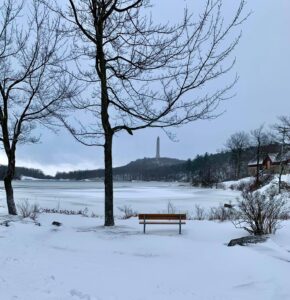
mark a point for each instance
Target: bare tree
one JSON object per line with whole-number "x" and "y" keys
{"x": 32, "y": 85}
{"x": 145, "y": 74}
{"x": 259, "y": 139}
{"x": 237, "y": 144}
{"x": 282, "y": 136}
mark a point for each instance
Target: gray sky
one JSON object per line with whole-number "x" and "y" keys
{"x": 263, "y": 65}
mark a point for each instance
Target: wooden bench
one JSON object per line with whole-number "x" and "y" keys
{"x": 161, "y": 219}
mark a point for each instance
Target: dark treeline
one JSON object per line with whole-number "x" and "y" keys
{"x": 22, "y": 171}
{"x": 209, "y": 169}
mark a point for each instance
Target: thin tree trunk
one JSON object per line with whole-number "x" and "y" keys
{"x": 281, "y": 161}
{"x": 239, "y": 165}
{"x": 280, "y": 177}
{"x": 9, "y": 189}
{"x": 258, "y": 166}
{"x": 109, "y": 200}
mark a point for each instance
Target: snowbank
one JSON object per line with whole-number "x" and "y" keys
{"x": 29, "y": 178}
{"x": 233, "y": 184}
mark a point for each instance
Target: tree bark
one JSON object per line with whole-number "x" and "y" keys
{"x": 9, "y": 189}
{"x": 108, "y": 132}
{"x": 109, "y": 200}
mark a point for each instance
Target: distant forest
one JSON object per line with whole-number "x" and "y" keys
{"x": 22, "y": 171}
{"x": 205, "y": 170}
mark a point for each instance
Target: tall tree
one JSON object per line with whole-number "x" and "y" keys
{"x": 259, "y": 138}
{"x": 282, "y": 136}
{"x": 237, "y": 144}
{"x": 146, "y": 74}
{"x": 32, "y": 85}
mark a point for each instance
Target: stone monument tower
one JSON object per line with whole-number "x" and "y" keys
{"x": 158, "y": 148}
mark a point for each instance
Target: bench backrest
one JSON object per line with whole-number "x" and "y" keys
{"x": 162, "y": 216}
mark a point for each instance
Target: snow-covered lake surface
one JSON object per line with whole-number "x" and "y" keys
{"x": 140, "y": 196}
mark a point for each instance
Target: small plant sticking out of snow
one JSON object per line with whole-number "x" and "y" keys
{"x": 221, "y": 213}
{"x": 83, "y": 212}
{"x": 200, "y": 213}
{"x": 171, "y": 208}
{"x": 27, "y": 210}
{"x": 127, "y": 211}
{"x": 260, "y": 212}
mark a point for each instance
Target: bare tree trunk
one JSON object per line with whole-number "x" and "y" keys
{"x": 280, "y": 177}
{"x": 258, "y": 165}
{"x": 9, "y": 189}
{"x": 281, "y": 162}
{"x": 239, "y": 164}
{"x": 109, "y": 201}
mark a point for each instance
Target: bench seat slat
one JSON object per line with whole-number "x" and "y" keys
{"x": 166, "y": 223}
{"x": 162, "y": 216}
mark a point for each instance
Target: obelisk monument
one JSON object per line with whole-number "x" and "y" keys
{"x": 158, "y": 148}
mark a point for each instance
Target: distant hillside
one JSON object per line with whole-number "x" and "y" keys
{"x": 141, "y": 169}
{"x": 22, "y": 171}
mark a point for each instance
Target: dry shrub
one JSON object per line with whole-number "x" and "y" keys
{"x": 82, "y": 212}
{"x": 200, "y": 213}
{"x": 221, "y": 185}
{"x": 170, "y": 208}
{"x": 27, "y": 210}
{"x": 127, "y": 211}
{"x": 221, "y": 213}
{"x": 260, "y": 213}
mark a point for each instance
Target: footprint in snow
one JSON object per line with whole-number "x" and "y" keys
{"x": 81, "y": 295}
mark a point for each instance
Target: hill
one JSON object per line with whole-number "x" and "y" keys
{"x": 140, "y": 169}
{"x": 27, "y": 172}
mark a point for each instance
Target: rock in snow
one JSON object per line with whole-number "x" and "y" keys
{"x": 243, "y": 241}
{"x": 56, "y": 223}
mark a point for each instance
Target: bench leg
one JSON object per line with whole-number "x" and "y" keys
{"x": 179, "y": 227}
{"x": 144, "y": 227}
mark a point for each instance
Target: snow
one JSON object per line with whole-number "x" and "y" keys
{"x": 235, "y": 183}
{"x": 29, "y": 178}
{"x": 84, "y": 260}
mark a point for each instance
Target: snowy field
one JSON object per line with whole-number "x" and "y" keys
{"x": 140, "y": 196}
{"x": 83, "y": 260}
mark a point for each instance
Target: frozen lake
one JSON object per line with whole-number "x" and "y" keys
{"x": 140, "y": 196}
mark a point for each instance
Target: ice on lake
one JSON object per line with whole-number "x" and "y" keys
{"x": 140, "y": 196}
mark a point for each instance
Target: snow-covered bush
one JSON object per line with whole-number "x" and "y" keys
{"x": 27, "y": 210}
{"x": 260, "y": 212}
{"x": 127, "y": 211}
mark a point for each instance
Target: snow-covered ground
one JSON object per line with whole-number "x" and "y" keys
{"x": 84, "y": 260}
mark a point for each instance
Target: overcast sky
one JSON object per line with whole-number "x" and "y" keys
{"x": 262, "y": 94}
